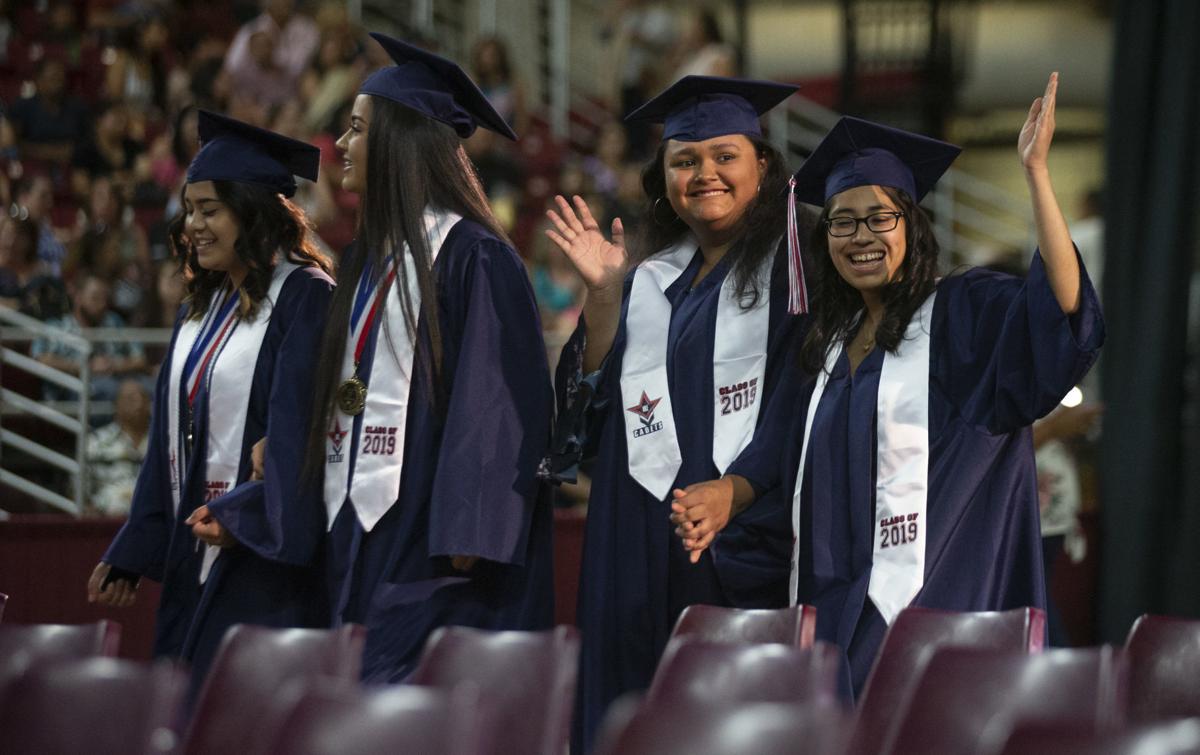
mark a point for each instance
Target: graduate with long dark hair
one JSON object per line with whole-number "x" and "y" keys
{"x": 680, "y": 344}
{"x": 911, "y": 461}
{"x": 432, "y": 396}
{"x": 229, "y": 549}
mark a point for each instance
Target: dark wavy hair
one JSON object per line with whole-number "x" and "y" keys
{"x": 267, "y": 223}
{"x": 415, "y": 162}
{"x": 759, "y": 231}
{"x": 836, "y": 302}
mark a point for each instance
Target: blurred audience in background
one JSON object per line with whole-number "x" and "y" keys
{"x": 115, "y": 451}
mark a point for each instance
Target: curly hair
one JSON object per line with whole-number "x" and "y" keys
{"x": 267, "y": 223}
{"x": 760, "y": 229}
{"x": 836, "y": 303}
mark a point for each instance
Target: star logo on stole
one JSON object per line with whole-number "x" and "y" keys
{"x": 336, "y": 435}
{"x": 645, "y": 408}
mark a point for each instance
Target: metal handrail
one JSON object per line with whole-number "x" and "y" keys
{"x": 82, "y": 347}
{"x": 41, "y": 329}
{"x": 26, "y": 405}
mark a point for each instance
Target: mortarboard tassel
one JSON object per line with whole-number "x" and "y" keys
{"x": 797, "y": 288}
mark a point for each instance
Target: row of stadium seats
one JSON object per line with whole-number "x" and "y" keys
{"x": 730, "y": 682}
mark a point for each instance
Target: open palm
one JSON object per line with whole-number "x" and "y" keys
{"x": 1033, "y": 145}
{"x": 600, "y": 262}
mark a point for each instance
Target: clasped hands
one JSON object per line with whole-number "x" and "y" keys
{"x": 702, "y": 510}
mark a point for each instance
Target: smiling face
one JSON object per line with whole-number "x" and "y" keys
{"x": 867, "y": 260}
{"x": 353, "y": 145}
{"x": 711, "y": 183}
{"x": 211, "y": 227}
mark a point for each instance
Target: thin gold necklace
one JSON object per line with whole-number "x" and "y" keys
{"x": 870, "y": 342}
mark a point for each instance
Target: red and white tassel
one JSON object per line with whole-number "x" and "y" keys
{"x": 797, "y": 288}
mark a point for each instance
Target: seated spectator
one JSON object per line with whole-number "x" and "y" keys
{"x": 138, "y": 72}
{"x": 557, "y": 288}
{"x": 702, "y": 51}
{"x": 498, "y": 160}
{"x": 333, "y": 77}
{"x": 108, "y": 152}
{"x": 109, "y": 244}
{"x": 168, "y": 294}
{"x": 110, "y": 362}
{"x": 491, "y": 69}
{"x": 34, "y": 199}
{"x": 270, "y": 53}
{"x": 51, "y": 122}
{"x": 61, "y": 36}
{"x": 604, "y": 166}
{"x": 116, "y": 450}
{"x": 257, "y": 80}
{"x": 24, "y": 285}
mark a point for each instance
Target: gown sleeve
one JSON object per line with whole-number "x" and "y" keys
{"x": 274, "y": 517}
{"x": 1009, "y": 353}
{"x": 140, "y": 547}
{"x": 582, "y": 400}
{"x": 498, "y": 414}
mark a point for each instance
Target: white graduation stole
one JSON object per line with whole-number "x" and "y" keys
{"x": 228, "y": 374}
{"x": 374, "y": 485}
{"x": 902, "y": 468}
{"x": 739, "y": 362}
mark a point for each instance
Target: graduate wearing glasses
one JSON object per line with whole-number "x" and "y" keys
{"x": 432, "y": 398}
{"x": 229, "y": 549}
{"x": 910, "y": 456}
{"x": 680, "y": 345}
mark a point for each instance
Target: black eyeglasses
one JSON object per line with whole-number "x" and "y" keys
{"x": 878, "y": 222}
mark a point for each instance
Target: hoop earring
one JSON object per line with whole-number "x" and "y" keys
{"x": 654, "y": 215}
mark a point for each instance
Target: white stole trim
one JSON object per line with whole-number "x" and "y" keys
{"x": 739, "y": 363}
{"x": 228, "y": 381}
{"x": 374, "y": 484}
{"x": 652, "y": 446}
{"x": 902, "y": 469}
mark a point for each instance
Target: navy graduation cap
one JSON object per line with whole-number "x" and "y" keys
{"x": 435, "y": 87}
{"x": 231, "y": 150}
{"x": 861, "y": 153}
{"x": 696, "y": 108}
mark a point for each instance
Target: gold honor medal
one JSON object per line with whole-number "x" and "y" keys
{"x": 352, "y": 396}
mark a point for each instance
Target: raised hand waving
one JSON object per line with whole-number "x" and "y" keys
{"x": 600, "y": 263}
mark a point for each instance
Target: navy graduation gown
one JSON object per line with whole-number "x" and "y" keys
{"x": 469, "y": 485}
{"x": 636, "y": 577}
{"x": 271, "y": 576}
{"x": 1002, "y": 355}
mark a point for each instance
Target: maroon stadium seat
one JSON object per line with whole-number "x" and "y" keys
{"x": 332, "y": 719}
{"x": 968, "y": 699}
{"x": 775, "y": 728}
{"x": 910, "y": 642}
{"x": 789, "y": 626}
{"x": 1164, "y": 668}
{"x": 692, "y": 671}
{"x": 24, "y": 645}
{"x": 1170, "y": 737}
{"x": 99, "y": 706}
{"x": 527, "y": 677}
{"x": 250, "y": 668}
